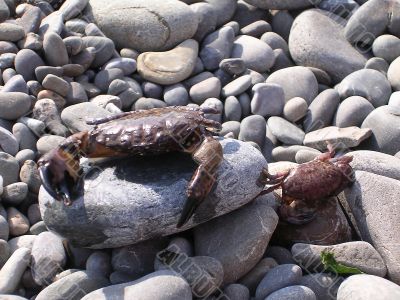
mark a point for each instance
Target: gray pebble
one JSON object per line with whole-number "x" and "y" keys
{"x": 245, "y": 103}
{"x": 99, "y": 263}
{"x": 76, "y": 94}
{"x": 11, "y": 32}
{"x": 4, "y": 228}
{"x": 268, "y": 99}
{"x": 148, "y": 103}
{"x": 54, "y": 49}
{"x": 176, "y": 95}
{"x": 322, "y": 76}
{"x": 4, "y": 252}
{"x": 217, "y": 105}
{"x": 118, "y": 86}
{"x": 197, "y": 78}
{"x": 8, "y": 74}
{"x": 34, "y": 213}
{"x": 207, "y": 20}
{"x": 223, "y": 76}
{"x": 233, "y": 66}
{"x": 32, "y": 41}
{"x": 24, "y": 155}
{"x": 234, "y": 25}
{"x": 8, "y": 47}
{"x": 56, "y": 84}
{"x": 275, "y": 41}
{"x": 253, "y": 128}
{"x": 230, "y": 126}
{"x": 52, "y": 23}
{"x": 17, "y": 222}
{"x": 246, "y": 13}
{"x": 105, "y": 77}
{"x": 256, "y": 29}
{"x": 4, "y": 11}
{"x": 7, "y": 60}
{"x": 104, "y": 49}
{"x": 29, "y": 175}
{"x": 8, "y": 142}
{"x": 295, "y": 292}
{"x": 232, "y": 109}
{"x": 295, "y": 109}
{"x": 324, "y": 285}
{"x": 34, "y": 87}
{"x": 38, "y": 228}
{"x": 129, "y": 53}
{"x": 15, "y": 193}
{"x": 237, "y": 292}
{"x": 42, "y": 71}
{"x": 16, "y": 84}
{"x": 387, "y": 47}
{"x": 278, "y": 278}
{"x": 46, "y": 111}
{"x": 377, "y": 63}
{"x": 127, "y": 65}
{"x": 11, "y": 273}
{"x": 9, "y": 168}
{"x": 280, "y": 254}
{"x": 209, "y": 88}
{"x": 152, "y": 90}
{"x": 36, "y": 126}
{"x": 84, "y": 58}
{"x": 285, "y": 131}
{"x": 303, "y": 156}
{"x": 26, "y": 62}
{"x": 352, "y": 112}
{"x": 198, "y": 67}
{"x": 288, "y": 153}
{"x": 73, "y": 44}
{"x": 237, "y": 86}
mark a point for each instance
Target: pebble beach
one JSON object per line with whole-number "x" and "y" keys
{"x": 287, "y": 79}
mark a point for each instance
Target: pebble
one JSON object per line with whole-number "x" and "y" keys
{"x": 377, "y": 63}
{"x": 76, "y": 94}
{"x": 288, "y": 153}
{"x": 352, "y": 112}
{"x": 29, "y": 175}
{"x": 245, "y": 103}
{"x": 209, "y": 88}
{"x": 246, "y": 14}
{"x": 275, "y": 41}
{"x": 394, "y": 100}
{"x": 4, "y": 252}
{"x": 285, "y": 131}
{"x": 233, "y": 66}
{"x": 148, "y": 103}
{"x": 11, "y": 32}
{"x": 322, "y": 110}
{"x": 99, "y": 263}
{"x": 16, "y": 84}
{"x": 56, "y": 84}
{"x": 256, "y": 29}
{"x": 4, "y": 11}
{"x": 165, "y": 284}
{"x": 42, "y": 71}
{"x": 75, "y": 286}
{"x": 304, "y": 156}
{"x": 72, "y": 8}
{"x": 207, "y": 19}
{"x": 294, "y": 292}
{"x": 151, "y": 89}
{"x": 324, "y": 285}
{"x": 268, "y": 99}
{"x": 232, "y": 109}
{"x": 230, "y": 239}
{"x": 384, "y": 138}
{"x": 230, "y": 126}
{"x": 237, "y": 292}
{"x": 103, "y": 50}
{"x": 74, "y": 45}
{"x": 169, "y": 67}
{"x": 225, "y": 9}
{"x": 253, "y": 129}
{"x": 4, "y": 228}
{"x": 54, "y": 49}
{"x": 295, "y": 109}
{"x": 48, "y": 142}
{"x": 216, "y": 46}
{"x": 24, "y": 155}
{"x": 316, "y": 40}
{"x": 280, "y": 254}
{"x": 296, "y": 82}
{"x": 387, "y": 47}
{"x": 104, "y": 78}
{"x": 367, "y": 83}
{"x": 8, "y": 47}
{"x": 358, "y": 254}
{"x": 46, "y": 111}
{"x": 7, "y": 60}
{"x": 38, "y": 228}
{"x": 11, "y": 273}
{"x": 48, "y": 258}
{"x": 393, "y": 74}
{"x": 176, "y": 95}
{"x": 277, "y": 278}
{"x": 237, "y": 86}
{"x": 256, "y": 54}
{"x": 322, "y": 76}
{"x": 17, "y": 222}
{"x": 26, "y": 63}
{"x": 9, "y": 168}
{"x": 8, "y": 142}
{"x": 280, "y": 5}
{"x": 14, "y": 193}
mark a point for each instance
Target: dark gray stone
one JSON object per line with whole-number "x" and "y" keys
{"x": 99, "y": 263}
{"x": 295, "y": 292}
{"x": 207, "y": 19}
{"x": 253, "y": 129}
{"x": 26, "y": 62}
{"x": 54, "y": 49}
{"x": 9, "y": 168}
{"x": 104, "y": 49}
{"x": 176, "y": 95}
{"x": 16, "y": 84}
{"x": 237, "y": 292}
{"x": 377, "y": 63}
{"x": 285, "y": 131}
{"x": 352, "y": 112}
{"x": 232, "y": 109}
{"x": 256, "y": 29}
{"x": 8, "y": 142}
{"x": 324, "y": 285}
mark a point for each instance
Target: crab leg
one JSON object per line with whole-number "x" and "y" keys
{"x": 209, "y": 155}
{"x": 273, "y": 180}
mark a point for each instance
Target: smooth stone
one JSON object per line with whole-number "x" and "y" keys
{"x": 4, "y": 228}
{"x": 7, "y": 60}
{"x": 343, "y": 8}
{"x": 56, "y": 84}
{"x": 16, "y": 84}
{"x": 73, "y": 286}
{"x": 253, "y": 129}
{"x": 15, "y": 193}
{"x": 48, "y": 95}
{"x": 316, "y": 35}
{"x": 387, "y": 47}
{"x": 257, "y": 55}
{"x": 232, "y": 109}
{"x": 54, "y": 49}
{"x": 127, "y": 65}
{"x": 42, "y": 71}
{"x": 242, "y": 164}
{"x": 233, "y": 66}
{"x": 275, "y": 41}
{"x": 34, "y": 213}
{"x": 4, "y": 252}
{"x": 8, "y": 47}
{"x": 4, "y": 11}
{"x": 72, "y": 8}
{"x": 17, "y": 222}
{"x": 148, "y": 103}
{"x": 296, "y": 82}
{"x": 252, "y": 279}
{"x": 352, "y": 112}
{"x": 48, "y": 258}
{"x": 236, "y": 236}
{"x": 368, "y": 287}
{"x": 362, "y": 198}
{"x": 367, "y": 83}
{"x": 209, "y": 88}
{"x": 76, "y": 94}
{"x": 393, "y": 74}
{"x": 11, "y": 273}
{"x": 176, "y": 95}
{"x": 285, "y": 131}
{"x": 34, "y": 87}
{"x": 216, "y": 46}
{"x": 104, "y": 78}
{"x": 230, "y": 126}
{"x": 9, "y": 168}
{"x": 73, "y": 44}
{"x": 23, "y": 241}
{"x": 102, "y": 52}
{"x": 280, "y": 254}
{"x": 394, "y": 100}
{"x": 144, "y": 26}
{"x": 99, "y": 263}
{"x": 245, "y": 103}
{"x": 268, "y": 99}
{"x": 295, "y": 109}
{"x": 376, "y": 162}
{"x": 26, "y": 62}
{"x": 256, "y": 29}
{"x": 224, "y": 9}
{"x": 74, "y": 116}
{"x": 11, "y": 32}
{"x": 324, "y": 285}
{"x": 384, "y": 138}
{"x": 52, "y": 23}
{"x": 237, "y": 292}
{"x": 377, "y": 63}
{"x": 303, "y": 156}
{"x": 169, "y": 67}
{"x": 329, "y": 227}
{"x": 223, "y": 76}
{"x": 207, "y": 20}
{"x": 321, "y": 110}
{"x": 48, "y": 142}
{"x": 188, "y": 83}
{"x": 358, "y": 254}
{"x": 342, "y": 138}
{"x": 277, "y": 278}
{"x": 237, "y": 86}
{"x": 288, "y": 153}
{"x": 294, "y": 292}
{"x": 29, "y": 175}
{"x": 281, "y": 4}
{"x": 38, "y": 228}
{"x": 8, "y": 142}
{"x": 322, "y": 76}
{"x": 246, "y": 14}
{"x": 166, "y": 285}
{"x": 47, "y": 111}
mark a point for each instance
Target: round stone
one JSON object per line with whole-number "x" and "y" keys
{"x": 275, "y": 41}
{"x": 176, "y": 95}
{"x": 8, "y": 142}
{"x": 377, "y": 63}
{"x": 393, "y": 74}
{"x": 9, "y": 168}
{"x": 15, "y": 193}
{"x": 295, "y": 109}
{"x": 26, "y": 63}
{"x": 280, "y": 4}
{"x": 232, "y": 109}
{"x": 209, "y": 88}
{"x": 285, "y": 131}
{"x": 230, "y": 126}
{"x": 387, "y": 47}
{"x": 207, "y": 19}
{"x": 253, "y": 129}
{"x": 256, "y": 29}
{"x": 54, "y": 49}
{"x": 11, "y": 32}
{"x": 17, "y": 222}
{"x": 352, "y": 112}
{"x": 295, "y": 292}
{"x": 237, "y": 86}
{"x": 268, "y": 99}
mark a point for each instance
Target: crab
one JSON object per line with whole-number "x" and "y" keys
{"x": 146, "y": 132}
{"x": 305, "y": 186}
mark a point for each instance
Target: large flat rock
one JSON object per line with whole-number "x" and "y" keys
{"x": 132, "y": 200}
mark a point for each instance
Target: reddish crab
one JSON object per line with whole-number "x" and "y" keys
{"x": 147, "y": 132}
{"x": 304, "y": 186}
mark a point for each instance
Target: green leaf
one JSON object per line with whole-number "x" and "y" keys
{"x": 330, "y": 264}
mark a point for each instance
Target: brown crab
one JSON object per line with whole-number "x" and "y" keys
{"x": 305, "y": 186}
{"x": 147, "y": 132}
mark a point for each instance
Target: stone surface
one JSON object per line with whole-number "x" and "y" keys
{"x": 288, "y": 153}
{"x": 209, "y": 88}
{"x": 144, "y": 26}
{"x": 348, "y": 137}
{"x": 141, "y": 187}
{"x": 281, "y": 4}
{"x": 253, "y": 129}
{"x": 11, "y": 272}
{"x": 294, "y": 292}
{"x": 387, "y": 47}
{"x": 324, "y": 285}
{"x": 237, "y": 292}
{"x": 393, "y": 74}
{"x": 8, "y": 142}
{"x": 18, "y": 223}
{"x": 54, "y": 49}
{"x": 238, "y": 237}
{"x": 268, "y": 99}
{"x": 359, "y": 254}
{"x": 285, "y": 131}
{"x": 14, "y": 105}
{"x": 372, "y": 200}
{"x": 352, "y": 112}
{"x": 295, "y": 109}
{"x": 368, "y": 287}
{"x": 164, "y": 285}
{"x": 315, "y": 37}
{"x": 237, "y": 86}
{"x": 11, "y": 32}
{"x": 9, "y": 168}
{"x": 232, "y": 109}
{"x": 169, "y": 67}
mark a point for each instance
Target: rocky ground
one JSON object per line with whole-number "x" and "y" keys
{"x": 285, "y": 77}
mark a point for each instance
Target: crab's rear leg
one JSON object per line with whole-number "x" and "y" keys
{"x": 208, "y": 155}
{"x": 273, "y": 181}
